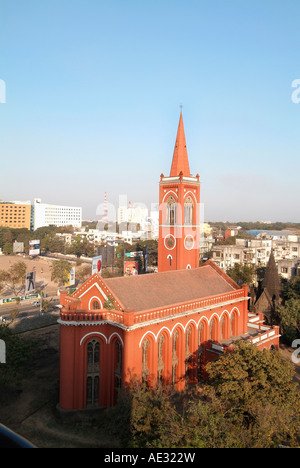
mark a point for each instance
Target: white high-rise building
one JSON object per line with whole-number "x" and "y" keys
{"x": 45, "y": 214}
{"x": 134, "y": 214}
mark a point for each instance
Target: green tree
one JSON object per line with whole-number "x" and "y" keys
{"x": 81, "y": 247}
{"x": 250, "y": 401}
{"x": 288, "y": 316}
{"x": 257, "y": 388}
{"x": 8, "y": 248}
{"x": 242, "y": 273}
{"x": 109, "y": 304}
{"x": 14, "y": 278}
{"x": 60, "y": 271}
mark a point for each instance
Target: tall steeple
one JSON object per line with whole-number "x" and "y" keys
{"x": 271, "y": 280}
{"x": 179, "y": 213}
{"x": 180, "y": 161}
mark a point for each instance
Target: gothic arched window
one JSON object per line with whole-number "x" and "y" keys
{"x": 188, "y": 354}
{"x": 161, "y": 362}
{"x": 145, "y": 361}
{"x": 174, "y": 356}
{"x": 171, "y": 211}
{"x": 188, "y": 210}
{"x": 118, "y": 366}
{"x": 93, "y": 373}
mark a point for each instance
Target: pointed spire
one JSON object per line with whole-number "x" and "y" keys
{"x": 180, "y": 161}
{"x": 271, "y": 280}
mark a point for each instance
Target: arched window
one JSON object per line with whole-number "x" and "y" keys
{"x": 223, "y": 328}
{"x": 161, "y": 358}
{"x": 174, "y": 356}
{"x": 200, "y": 351}
{"x": 145, "y": 361}
{"x": 233, "y": 325}
{"x": 93, "y": 373}
{"x": 188, "y": 353}
{"x": 96, "y": 305}
{"x": 188, "y": 210}
{"x": 171, "y": 211}
{"x": 118, "y": 367}
{"x": 213, "y": 330}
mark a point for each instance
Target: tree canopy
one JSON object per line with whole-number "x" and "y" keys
{"x": 250, "y": 401}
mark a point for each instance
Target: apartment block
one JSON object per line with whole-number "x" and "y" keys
{"x": 16, "y": 215}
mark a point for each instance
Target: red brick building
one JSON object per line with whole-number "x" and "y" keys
{"x": 163, "y": 326}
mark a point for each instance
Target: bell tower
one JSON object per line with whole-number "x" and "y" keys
{"x": 179, "y": 212}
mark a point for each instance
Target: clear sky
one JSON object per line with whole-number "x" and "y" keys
{"x": 92, "y": 98}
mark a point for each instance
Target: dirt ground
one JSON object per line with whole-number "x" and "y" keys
{"x": 32, "y": 413}
{"x": 40, "y": 264}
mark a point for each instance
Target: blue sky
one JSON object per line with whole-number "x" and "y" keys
{"x": 93, "y": 90}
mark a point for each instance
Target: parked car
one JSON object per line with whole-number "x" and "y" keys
{"x": 36, "y": 303}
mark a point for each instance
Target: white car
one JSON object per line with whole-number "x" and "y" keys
{"x": 36, "y": 303}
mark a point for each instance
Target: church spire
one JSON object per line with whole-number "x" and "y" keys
{"x": 271, "y": 280}
{"x": 180, "y": 161}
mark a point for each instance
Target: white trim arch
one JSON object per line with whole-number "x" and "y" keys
{"x": 145, "y": 334}
{"x": 237, "y": 309}
{"x": 93, "y": 334}
{"x": 161, "y": 331}
{"x": 119, "y": 337}
{"x": 175, "y": 326}
{"x": 98, "y": 300}
{"x": 168, "y": 193}
{"x": 190, "y": 321}
{"x": 191, "y": 193}
{"x": 212, "y": 317}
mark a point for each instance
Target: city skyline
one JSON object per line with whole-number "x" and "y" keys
{"x": 93, "y": 93}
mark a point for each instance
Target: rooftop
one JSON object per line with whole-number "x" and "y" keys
{"x": 144, "y": 292}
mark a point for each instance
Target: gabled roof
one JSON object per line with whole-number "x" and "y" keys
{"x": 180, "y": 161}
{"x": 144, "y": 292}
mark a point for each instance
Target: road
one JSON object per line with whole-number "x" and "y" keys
{"x": 26, "y": 308}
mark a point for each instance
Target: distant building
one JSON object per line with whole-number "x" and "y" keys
{"x": 16, "y": 215}
{"x": 45, "y": 214}
{"x": 133, "y": 213}
{"x": 289, "y": 268}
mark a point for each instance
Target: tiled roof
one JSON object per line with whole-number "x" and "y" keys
{"x": 144, "y": 292}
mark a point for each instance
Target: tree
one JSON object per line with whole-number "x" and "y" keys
{"x": 81, "y": 247}
{"x": 250, "y": 401}
{"x": 83, "y": 273}
{"x": 60, "y": 271}
{"x": 14, "y": 278}
{"x": 242, "y": 274}
{"x": 289, "y": 319}
{"x": 109, "y": 304}
{"x": 257, "y": 388}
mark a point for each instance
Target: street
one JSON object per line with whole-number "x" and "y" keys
{"x": 26, "y": 309}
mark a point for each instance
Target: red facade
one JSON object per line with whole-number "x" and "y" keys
{"x": 163, "y": 326}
